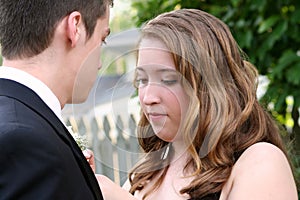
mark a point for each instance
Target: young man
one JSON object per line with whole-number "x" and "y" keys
{"x": 51, "y": 55}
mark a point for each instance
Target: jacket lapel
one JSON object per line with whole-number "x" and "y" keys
{"x": 32, "y": 100}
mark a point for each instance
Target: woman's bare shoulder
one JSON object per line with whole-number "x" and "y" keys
{"x": 262, "y": 172}
{"x": 262, "y": 152}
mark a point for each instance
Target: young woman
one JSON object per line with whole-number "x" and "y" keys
{"x": 203, "y": 132}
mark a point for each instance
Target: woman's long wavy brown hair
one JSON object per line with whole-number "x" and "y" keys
{"x": 227, "y": 113}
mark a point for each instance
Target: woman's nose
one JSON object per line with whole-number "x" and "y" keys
{"x": 150, "y": 94}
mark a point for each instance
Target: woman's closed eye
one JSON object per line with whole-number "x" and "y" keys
{"x": 169, "y": 81}
{"x": 140, "y": 82}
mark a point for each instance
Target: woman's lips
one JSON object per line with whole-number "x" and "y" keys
{"x": 156, "y": 117}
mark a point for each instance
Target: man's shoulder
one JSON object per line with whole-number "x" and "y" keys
{"x": 19, "y": 122}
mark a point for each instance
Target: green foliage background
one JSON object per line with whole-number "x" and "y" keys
{"x": 268, "y": 31}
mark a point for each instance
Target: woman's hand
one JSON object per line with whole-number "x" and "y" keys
{"x": 112, "y": 191}
{"x": 89, "y": 155}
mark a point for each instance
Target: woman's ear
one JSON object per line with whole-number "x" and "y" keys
{"x": 74, "y": 26}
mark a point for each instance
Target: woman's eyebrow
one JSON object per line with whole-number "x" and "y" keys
{"x": 166, "y": 69}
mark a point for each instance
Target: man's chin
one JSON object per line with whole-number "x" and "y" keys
{"x": 78, "y": 99}
{"x": 80, "y": 95}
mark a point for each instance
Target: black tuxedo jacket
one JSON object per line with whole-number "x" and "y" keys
{"x": 39, "y": 159}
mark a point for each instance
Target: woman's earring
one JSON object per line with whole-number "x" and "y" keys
{"x": 165, "y": 153}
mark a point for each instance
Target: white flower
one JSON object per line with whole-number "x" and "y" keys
{"x": 80, "y": 139}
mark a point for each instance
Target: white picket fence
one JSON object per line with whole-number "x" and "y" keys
{"x": 112, "y": 137}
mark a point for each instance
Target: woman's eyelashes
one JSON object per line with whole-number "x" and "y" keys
{"x": 169, "y": 82}
{"x": 141, "y": 82}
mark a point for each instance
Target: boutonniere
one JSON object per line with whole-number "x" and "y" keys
{"x": 81, "y": 140}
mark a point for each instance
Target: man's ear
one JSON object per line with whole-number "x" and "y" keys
{"x": 74, "y": 27}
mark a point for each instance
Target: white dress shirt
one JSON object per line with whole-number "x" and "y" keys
{"x": 36, "y": 85}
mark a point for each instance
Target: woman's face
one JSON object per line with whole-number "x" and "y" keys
{"x": 162, "y": 97}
